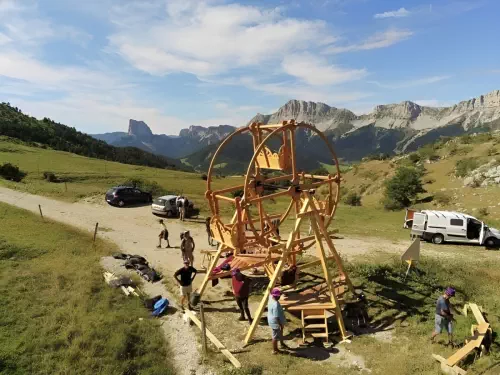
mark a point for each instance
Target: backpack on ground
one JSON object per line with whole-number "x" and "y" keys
{"x": 149, "y": 303}
{"x": 160, "y": 306}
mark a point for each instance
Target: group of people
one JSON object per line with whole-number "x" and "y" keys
{"x": 241, "y": 286}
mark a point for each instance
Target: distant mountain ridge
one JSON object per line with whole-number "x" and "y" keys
{"x": 187, "y": 142}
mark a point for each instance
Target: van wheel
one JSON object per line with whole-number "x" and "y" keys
{"x": 121, "y": 203}
{"x": 438, "y": 239}
{"x": 490, "y": 243}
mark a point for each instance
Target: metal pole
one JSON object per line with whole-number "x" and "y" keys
{"x": 95, "y": 231}
{"x": 41, "y": 214}
{"x": 203, "y": 331}
{"x": 65, "y": 186}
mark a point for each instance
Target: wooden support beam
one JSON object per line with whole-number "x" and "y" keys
{"x": 214, "y": 340}
{"x": 210, "y": 268}
{"x": 326, "y": 272}
{"x": 224, "y": 198}
{"x": 276, "y": 275}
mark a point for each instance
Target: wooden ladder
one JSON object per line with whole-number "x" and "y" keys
{"x": 315, "y": 320}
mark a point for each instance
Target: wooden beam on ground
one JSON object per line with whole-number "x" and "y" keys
{"x": 455, "y": 370}
{"x": 214, "y": 340}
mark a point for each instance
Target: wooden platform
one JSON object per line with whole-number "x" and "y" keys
{"x": 316, "y": 297}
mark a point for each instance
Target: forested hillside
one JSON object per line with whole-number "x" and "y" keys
{"x": 14, "y": 123}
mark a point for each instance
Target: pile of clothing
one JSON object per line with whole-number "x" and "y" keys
{"x": 141, "y": 265}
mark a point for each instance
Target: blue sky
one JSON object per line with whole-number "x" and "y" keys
{"x": 94, "y": 64}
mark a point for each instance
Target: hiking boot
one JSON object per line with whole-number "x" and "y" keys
{"x": 250, "y": 320}
{"x": 241, "y": 318}
{"x": 158, "y": 247}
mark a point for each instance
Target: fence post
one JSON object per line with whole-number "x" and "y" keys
{"x": 203, "y": 331}
{"x": 65, "y": 186}
{"x": 41, "y": 214}
{"x": 95, "y": 231}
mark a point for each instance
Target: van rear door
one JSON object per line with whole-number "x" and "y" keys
{"x": 419, "y": 224}
{"x": 481, "y": 234}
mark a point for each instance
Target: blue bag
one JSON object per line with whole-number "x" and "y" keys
{"x": 160, "y": 307}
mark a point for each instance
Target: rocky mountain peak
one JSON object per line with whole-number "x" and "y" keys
{"x": 404, "y": 110}
{"x": 489, "y": 100}
{"x": 300, "y": 108}
{"x": 139, "y": 129}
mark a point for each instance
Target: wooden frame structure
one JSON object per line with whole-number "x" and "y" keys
{"x": 252, "y": 233}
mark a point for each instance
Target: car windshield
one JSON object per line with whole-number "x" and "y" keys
{"x": 161, "y": 202}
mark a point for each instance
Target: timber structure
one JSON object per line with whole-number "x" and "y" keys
{"x": 252, "y": 234}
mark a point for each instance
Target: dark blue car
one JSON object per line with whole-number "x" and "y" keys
{"x": 126, "y": 195}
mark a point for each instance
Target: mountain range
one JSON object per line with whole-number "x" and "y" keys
{"x": 388, "y": 129}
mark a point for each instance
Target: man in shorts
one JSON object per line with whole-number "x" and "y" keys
{"x": 163, "y": 235}
{"x": 276, "y": 319}
{"x": 444, "y": 317}
{"x": 184, "y": 277}
{"x": 187, "y": 248}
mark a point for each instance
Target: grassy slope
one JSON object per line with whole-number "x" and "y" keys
{"x": 88, "y": 177}
{"x": 368, "y": 178}
{"x": 57, "y": 315}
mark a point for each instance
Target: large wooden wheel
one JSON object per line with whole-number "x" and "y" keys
{"x": 270, "y": 175}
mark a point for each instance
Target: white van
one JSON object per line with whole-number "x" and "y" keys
{"x": 449, "y": 226}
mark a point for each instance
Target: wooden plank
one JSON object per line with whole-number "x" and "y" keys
{"x": 211, "y": 268}
{"x": 456, "y": 369}
{"x": 477, "y": 314}
{"x": 461, "y": 353}
{"x": 277, "y": 273}
{"x": 214, "y": 340}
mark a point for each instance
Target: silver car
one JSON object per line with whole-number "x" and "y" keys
{"x": 165, "y": 206}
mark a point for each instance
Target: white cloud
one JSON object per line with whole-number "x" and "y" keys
{"x": 410, "y": 83}
{"x": 4, "y": 39}
{"x": 204, "y": 39}
{"x": 379, "y": 40}
{"x": 401, "y": 12}
{"x": 317, "y": 72}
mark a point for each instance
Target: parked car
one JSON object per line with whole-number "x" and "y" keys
{"x": 448, "y": 226}
{"x": 166, "y": 206}
{"x": 126, "y": 195}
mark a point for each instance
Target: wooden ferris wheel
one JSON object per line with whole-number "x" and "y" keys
{"x": 252, "y": 232}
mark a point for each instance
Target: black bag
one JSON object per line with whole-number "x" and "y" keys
{"x": 120, "y": 256}
{"x": 150, "y": 302}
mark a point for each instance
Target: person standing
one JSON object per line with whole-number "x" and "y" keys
{"x": 444, "y": 317}
{"x": 241, "y": 291}
{"x": 184, "y": 277}
{"x": 187, "y": 248}
{"x": 276, "y": 319}
{"x": 179, "y": 203}
{"x": 163, "y": 235}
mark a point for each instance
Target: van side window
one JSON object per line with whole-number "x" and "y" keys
{"x": 457, "y": 222}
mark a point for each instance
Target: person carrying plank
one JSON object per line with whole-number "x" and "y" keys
{"x": 163, "y": 235}
{"x": 444, "y": 317}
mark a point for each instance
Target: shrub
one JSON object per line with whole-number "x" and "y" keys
{"x": 204, "y": 177}
{"x": 414, "y": 157}
{"x": 353, "y": 199}
{"x": 464, "y": 166}
{"x": 483, "y": 211}
{"x": 466, "y": 139}
{"x": 428, "y": 153}
{"x": 442, "y": 198}
{"x": 403, "y": 188}
{"x": 11, "y": 172}
{"x": 237, "y": 193}
{"x": 50, "y": 177}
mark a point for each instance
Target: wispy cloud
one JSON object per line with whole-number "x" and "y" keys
{"x": 401, "y": 12}
{"x": 318, "y": 72}
{"x": 379, "y": 40}
{"x": 410, "y": 83}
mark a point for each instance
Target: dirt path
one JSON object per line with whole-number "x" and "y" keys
{"x": 135, "y": 230}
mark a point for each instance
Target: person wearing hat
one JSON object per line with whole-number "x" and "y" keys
{"x": 187, "y": 248}
{"x": 163, "y": 234}
{"x": 444, "y": 317}
{"x": 241, "y": 291}
{"x": 184, "y": 277}
{"x": 276, "y": 319}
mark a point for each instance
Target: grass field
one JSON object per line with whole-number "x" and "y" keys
{"x": 57, "y": 315}
{"x": 88, "y": 177}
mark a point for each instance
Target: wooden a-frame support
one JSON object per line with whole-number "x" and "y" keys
{"x": 308, "y": 210}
